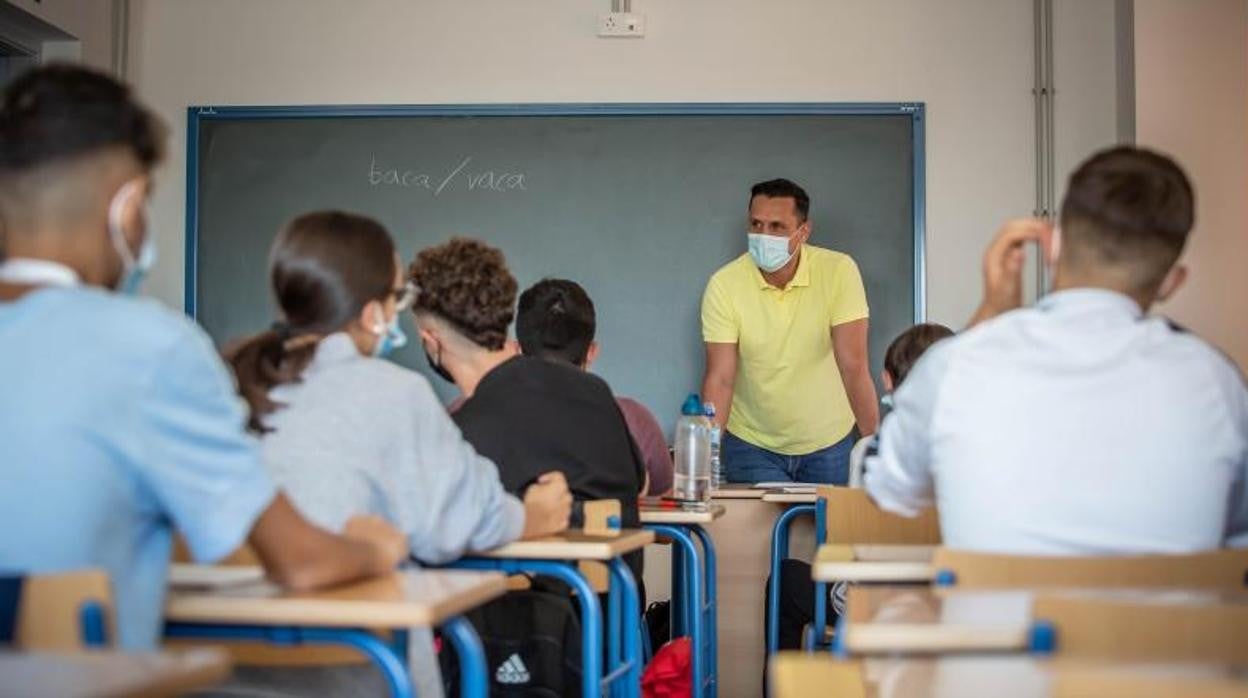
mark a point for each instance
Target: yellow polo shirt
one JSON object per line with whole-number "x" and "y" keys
{"x": 789, "y": 397}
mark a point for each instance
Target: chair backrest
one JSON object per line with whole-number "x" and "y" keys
{"x": 806, "y": 675}
{"x": 59, "y": 612}
{"x": 1159, "y": 626}
{"x": 1219, "y": 569}
{"x": 853, "y": 519}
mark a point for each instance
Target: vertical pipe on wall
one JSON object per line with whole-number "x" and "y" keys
{"x": 1043, "y": 89}
{"x": 121, "y": 37}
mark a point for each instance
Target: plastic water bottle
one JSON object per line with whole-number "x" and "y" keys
{"x": 717, "y": 477}
{"x": 693, "y": 453}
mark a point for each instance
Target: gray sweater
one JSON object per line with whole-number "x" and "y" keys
{"x": 359, "y": 435}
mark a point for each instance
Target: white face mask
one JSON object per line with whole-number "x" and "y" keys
{"x": 133, "y": 270}
{"x": 769, "y": 252}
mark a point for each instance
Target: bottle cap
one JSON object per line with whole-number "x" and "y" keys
{"x": 692, "y": 406}
{"x": 708, "y": 409}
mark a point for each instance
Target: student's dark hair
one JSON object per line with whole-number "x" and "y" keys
{"x": 324, "y": 268}
{"x": 905, "y": 351}
{"x": 1128, "y": 207}
{"x": 62, "y": 111}
{"x": 556, "y": 320}
{"x": 466, "y": 283}
{"x": 784, "y": 189}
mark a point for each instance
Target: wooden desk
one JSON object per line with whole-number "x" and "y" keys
{"x": 411, "y": 598}
{"x": 782, "y": 497}
{"x": 110, "y": 673}
{"x": 874, "y": 563}
{"x": 801, "y": 675}
{"x": 572, "y": 545}
{"x": 661, "y": 515}
{"x": 908, "y": 619}
{"x": 738, "y": 491}
{"x": 258, "y": 611}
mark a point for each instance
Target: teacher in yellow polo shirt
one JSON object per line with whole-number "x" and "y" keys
{"x": 785, "y": 327}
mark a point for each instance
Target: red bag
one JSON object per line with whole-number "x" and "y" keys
{"x": 670, "y": 672}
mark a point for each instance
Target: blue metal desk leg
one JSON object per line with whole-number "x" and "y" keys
{"x": 392, "y": 668}
{"x": 680, "y": 617}
{"x": 779, "y": 551}
{"x": 473, "y": 672}
{"x": 712, "y": 606}
{"x": 693, "y": 599}
{"x": 630, "y": 608}
{"x": 614, "y": 636}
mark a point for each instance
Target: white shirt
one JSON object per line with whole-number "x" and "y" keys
{"x": 1078, "y": 426}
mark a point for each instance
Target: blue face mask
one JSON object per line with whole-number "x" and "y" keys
{"x": 134, "y": 271}
{"x": 769, "y": 252}
{"x": 389, "y": 337}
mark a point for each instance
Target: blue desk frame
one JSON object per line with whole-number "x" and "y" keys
{"x": 780, "y": 551}
{"x": 623, "y": 636}
{"x": 691, "y": 615}
{"x": 391, "y": 660}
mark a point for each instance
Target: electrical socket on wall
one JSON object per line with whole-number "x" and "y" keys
{"x": 622, "y": 25}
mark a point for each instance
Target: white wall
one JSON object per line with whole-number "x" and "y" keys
{"x": 969, "y": 60}
{"x": 1192, "y": 102}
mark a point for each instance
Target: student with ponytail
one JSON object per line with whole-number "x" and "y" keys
{"x": 345, "y": 431}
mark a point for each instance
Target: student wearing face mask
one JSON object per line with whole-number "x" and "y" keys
{"x": 343, "y": 430}
{"x": 785, "y": 327}
{"x": 118, "y": 422}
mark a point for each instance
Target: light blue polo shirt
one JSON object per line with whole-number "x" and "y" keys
{"x": 118, "y": 425}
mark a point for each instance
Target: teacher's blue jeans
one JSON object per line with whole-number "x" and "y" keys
{"x": 745, "y": 462}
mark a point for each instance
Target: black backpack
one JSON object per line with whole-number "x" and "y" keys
{"x": 532, "y": 641}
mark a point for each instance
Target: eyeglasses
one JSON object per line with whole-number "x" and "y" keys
{"x": 405, "y": 296}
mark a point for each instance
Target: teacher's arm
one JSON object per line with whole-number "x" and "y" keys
{"x": 849, "y": 343}
{"x": 721, "y": 376}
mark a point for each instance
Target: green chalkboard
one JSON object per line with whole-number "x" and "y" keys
{"x": 638, "y": 204}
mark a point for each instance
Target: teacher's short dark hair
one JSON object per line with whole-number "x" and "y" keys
{"x": 1128, "y": 208}
{"x": 60, "y": 112}
{"x": 784, "y": 189}
{"x": 556, "y": 321}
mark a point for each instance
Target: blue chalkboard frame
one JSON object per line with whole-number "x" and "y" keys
{"x": 195, "y": 115}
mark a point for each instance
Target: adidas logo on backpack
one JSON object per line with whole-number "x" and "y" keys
{"x": 513, "y": 671}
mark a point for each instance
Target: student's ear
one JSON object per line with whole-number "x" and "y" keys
{"x": 371, "y": 315}
{"x": 1173, "y": 281}
{"x": 591, "y": 356}
{"x": 886, "y": 379}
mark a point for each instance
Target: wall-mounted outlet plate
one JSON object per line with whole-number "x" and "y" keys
{"x": 622, "y": 24}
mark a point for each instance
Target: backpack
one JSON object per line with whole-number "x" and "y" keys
{"x": 532, "y": 641}
{"x": 670, "y": 674}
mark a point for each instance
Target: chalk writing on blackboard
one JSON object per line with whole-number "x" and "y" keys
{"x": 462, "y": 176}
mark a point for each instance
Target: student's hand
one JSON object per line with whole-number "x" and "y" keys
{"x": 1003, "y": 265}
{"x": 547, "y": 505}
{"x": 389, "y": 543}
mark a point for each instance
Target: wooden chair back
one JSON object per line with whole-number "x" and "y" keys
{"x": 48, "y": 615}
{"x": 853, "y": 519}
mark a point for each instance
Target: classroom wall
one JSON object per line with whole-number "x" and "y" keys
{"x": 969, "y": 60}
{"x": 1191, "y": 81}
{"x": 90, "y": 22}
